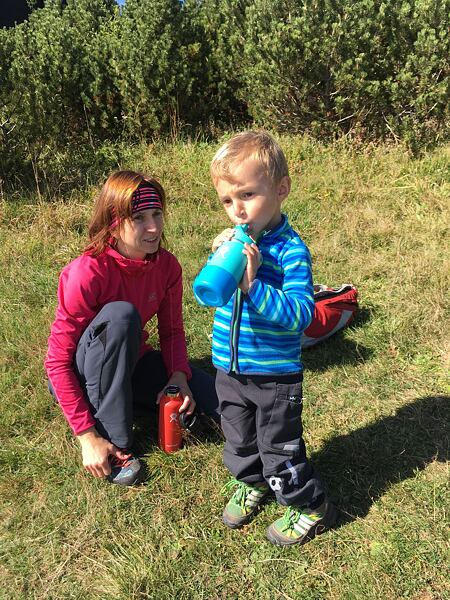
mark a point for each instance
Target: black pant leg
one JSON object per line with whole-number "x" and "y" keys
{"x": 149, "y": 378}
{"x": 203, "y": 389}
{"x": 280, "y": 439}
{"x": 105, "y": 359}
{"x": 241, "y": 454}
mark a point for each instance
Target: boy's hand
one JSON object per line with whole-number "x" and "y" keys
{"x": 254, "y": 261}
{"x": 226, "y": 235}
{"x": 179, "y": 379}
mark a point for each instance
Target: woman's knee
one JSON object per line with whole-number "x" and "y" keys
{"x": 116, "y": 322}
{"x": 121, "y": 311}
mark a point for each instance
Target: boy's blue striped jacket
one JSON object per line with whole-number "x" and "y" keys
{"x": 260, "y": 333}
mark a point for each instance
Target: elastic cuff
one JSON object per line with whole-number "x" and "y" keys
{"x": 82, "y": 428}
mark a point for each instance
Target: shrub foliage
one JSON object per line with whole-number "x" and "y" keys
{"x": 86, "y": 70}
{"x": 370, "y": 66}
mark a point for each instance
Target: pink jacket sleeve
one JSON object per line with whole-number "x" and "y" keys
{"x": 170, "y": 325}
{"x": 76, "y": 309}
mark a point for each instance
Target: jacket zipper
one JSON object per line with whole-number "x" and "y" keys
{"x": 234, "y": 333}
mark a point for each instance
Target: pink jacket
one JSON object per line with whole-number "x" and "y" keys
{"x": 86, "y": 284}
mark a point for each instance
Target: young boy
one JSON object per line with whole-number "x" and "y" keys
{"x": 256, "y": 346}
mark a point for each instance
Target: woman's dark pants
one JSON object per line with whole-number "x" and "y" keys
{"x": 117, "y": 383}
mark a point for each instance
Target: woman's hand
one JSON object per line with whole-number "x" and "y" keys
{"x": 179, "y": 379}
{"x": 254, "y": 261}
{"x": 96, "y": 451}
{"x": 225, "y": 236}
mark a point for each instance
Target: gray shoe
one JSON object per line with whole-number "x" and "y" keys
{"x": 125, "y": 472}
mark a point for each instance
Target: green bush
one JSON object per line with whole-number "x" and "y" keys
{"x": 217, "y": 32}
{"x": 91, "y": 72}
{"x": 147, "y": 70}
{"x": 52, "y": 77}
{"x": 375, "y": 68}
{"x": 7, "y": 125}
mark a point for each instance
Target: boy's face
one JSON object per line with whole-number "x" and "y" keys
{"x": 249, "y": 196}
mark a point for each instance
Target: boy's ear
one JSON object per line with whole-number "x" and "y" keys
{"x": 284, "y": 187}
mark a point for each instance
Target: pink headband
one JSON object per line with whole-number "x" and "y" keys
{"x": 144, "y": 197}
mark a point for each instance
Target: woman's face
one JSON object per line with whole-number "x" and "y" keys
{"x": 140, "y": 234}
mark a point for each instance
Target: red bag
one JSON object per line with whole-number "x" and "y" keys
{"x": 334, "y": 309}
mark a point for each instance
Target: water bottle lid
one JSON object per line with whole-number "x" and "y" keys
{"x": 172, "y": 391}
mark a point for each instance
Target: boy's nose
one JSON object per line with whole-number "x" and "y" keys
{"x": 239, "y": 209}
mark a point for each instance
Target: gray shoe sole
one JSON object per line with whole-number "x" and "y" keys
{"x": 237, "y": 523}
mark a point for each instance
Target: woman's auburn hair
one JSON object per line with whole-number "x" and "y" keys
{"x": 114, "y": 202}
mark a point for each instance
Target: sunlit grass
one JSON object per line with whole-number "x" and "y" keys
{"x": 376, "y": 409}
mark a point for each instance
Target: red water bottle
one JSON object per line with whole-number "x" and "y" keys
{"x": 169, "y": 430}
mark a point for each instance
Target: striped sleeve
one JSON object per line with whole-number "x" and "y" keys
{"x": 292, "y": 306}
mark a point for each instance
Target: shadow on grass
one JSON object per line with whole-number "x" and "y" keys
{"x": 334, "y": 352}
{"x": 359, "y": 467}
{"x": 363, "y": 314}
{"x": 60, "y": 173}
{"x": 338, "y": 350}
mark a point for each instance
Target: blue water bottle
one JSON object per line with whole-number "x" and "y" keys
{"x": 219, "y": 278}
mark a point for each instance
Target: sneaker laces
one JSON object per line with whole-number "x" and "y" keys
{"x": 243, "y": 490}
{"x": 121, "y": 463}
{"x": 239, "y": 493}
{"x": 291, "y": 516}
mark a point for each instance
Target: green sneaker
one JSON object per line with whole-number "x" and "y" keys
{"x": 243, "y": 503}
{"x": 299, "y": 525}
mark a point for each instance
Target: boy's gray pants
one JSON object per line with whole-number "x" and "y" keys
{"x": 116, "y": 383}
{"x": 261, "y": 421}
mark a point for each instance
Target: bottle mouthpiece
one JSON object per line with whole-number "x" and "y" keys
{"x": 172, "y": 391}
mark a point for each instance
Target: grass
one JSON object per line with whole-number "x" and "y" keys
{"x": 376, "y": 411}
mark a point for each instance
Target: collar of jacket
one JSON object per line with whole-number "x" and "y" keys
{"x": 133, "y": 266}
{"x": 271, "y": 233}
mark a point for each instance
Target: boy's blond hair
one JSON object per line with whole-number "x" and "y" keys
{"x": 258, "y": 145}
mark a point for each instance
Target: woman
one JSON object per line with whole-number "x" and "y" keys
{"x": 99, "y": 366}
